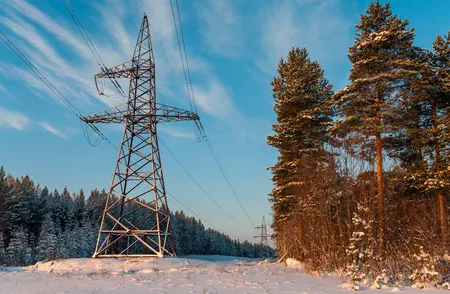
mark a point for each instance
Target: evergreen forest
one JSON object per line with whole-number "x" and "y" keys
{"x": 361, "y": 183}
{"x": 37, "y": 224}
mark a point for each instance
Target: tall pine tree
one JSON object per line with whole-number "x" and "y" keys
{"x": 380, "y": 68}
{"x": 303, "y": 114}
{"x": 440, "y": 116}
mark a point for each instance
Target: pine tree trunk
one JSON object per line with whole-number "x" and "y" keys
{"x": 443, "y": 216}
{"x": 380, "y": 175}
{"x": 349, "y": 221}
{"x": 339, "y": 223}
{"x": 370, "y": 215}
{"x": 301, "y": 256}
{"x": 439, "y": 193}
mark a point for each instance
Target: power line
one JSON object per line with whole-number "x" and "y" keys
{"x": 198, "y": 184}
{"x": 187, "y": 76}
{"x": 99, "y": 60}
{"x": 202, "y": 133}
{"x": 181, "y": 55}
{"x": 198, "y": 123}
{"x": 38, "y": 73}
{"x": 44, "y": 80}
{"x": 91, "y": 45}
{"x": 185, "y": 56}
{"x": 77, "y": 23}
{"x": 79, "y": 115}
{"x": 224, "y": 175}
{"x": 198, "y": 216}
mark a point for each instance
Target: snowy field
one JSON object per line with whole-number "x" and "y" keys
{"x": 195, "y": 274}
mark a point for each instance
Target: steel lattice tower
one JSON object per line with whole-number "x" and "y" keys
{"x": 262, "y": 233}
{"x": 136, "y": 219}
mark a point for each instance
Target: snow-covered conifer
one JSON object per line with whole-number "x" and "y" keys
{"x": 17, "y": 250}
{"x": 380, "y": 68}
{"x": 46, "y": 248}
{"x": 302, "y": 96}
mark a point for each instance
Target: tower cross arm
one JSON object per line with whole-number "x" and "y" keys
{"x": 163, "y": 113}
{"x": 116, "y": 114}
{"x": 119, "y": 71}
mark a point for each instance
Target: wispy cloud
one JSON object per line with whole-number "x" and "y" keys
{"x": 49, "y": 128}
{"x": 68, "y": 75}
{"x": 2, "y": 89}
{"x": 46, "y": 40}
{"x": 13, "y": 119}
{"x": 317, "y": 25}
{"x": 216, "y": 100}
{"x": 50, "y": 25}
{"x": 220, "y": 26}
{"x": 212, "y": 98}
{"x": 176, "y": 133}
{"x": 74, "y": 131}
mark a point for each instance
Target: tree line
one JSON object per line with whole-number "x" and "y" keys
{"x": 362, "y": 179}
{"x": 38, "y": 224}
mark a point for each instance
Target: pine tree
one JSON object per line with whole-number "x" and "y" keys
{"x": 43, "y": 208}
{"x": 16, "y": 207}
{"x": 5, "y": 193}
{"x": 440, "y": 115}
{"x": 380, "y": 67}
{"x": 429, "y": 97}
{"x": 79, "y": 206}
{"x": 67, "y": 221}
{"x": 55, "y": 207}
{"x": 2, "y": 250}
{"x": 30, "y": 196}
{"x": 17, "y": 251}
{"x": 46, "y": 248}
{"x": 302, "y": 97}
{"x": 87, "y": 239}
{"x": 96, "y": 204}
{"x": 175, "y": 230}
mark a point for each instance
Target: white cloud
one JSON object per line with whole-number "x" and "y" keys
{"x": 215, "y": 100}
{"x": 28, "y": 33}
{"x": 169, "y": 68}
{"x": 176, "y": 133}
{"x": 51, "y": 25}
{"x": 73, "y": 131}
{"x": 71, "y": 76}
{"x": 220, "y": 26}
{"x": 47, "y": 41}
{"x": 13, "y": 119}
{"x": 113, "y": 19}
{"x": 37, "y": 87}
{"x": 317, "y": 25}
{"x": 212, "y": 97}
{"x": 49, "y": 128}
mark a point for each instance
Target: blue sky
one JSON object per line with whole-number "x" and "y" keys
{"x": 233, "y": 48}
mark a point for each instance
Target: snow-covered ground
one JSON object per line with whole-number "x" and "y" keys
{"x": 194, "y": 274}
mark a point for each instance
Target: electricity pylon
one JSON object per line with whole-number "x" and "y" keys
{"x": 262, "y": 233}
{"x": 136, "y": 219}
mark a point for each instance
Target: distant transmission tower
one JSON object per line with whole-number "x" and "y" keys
{"x": 136, "y": 219}
{"x": 262, "y": 233}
